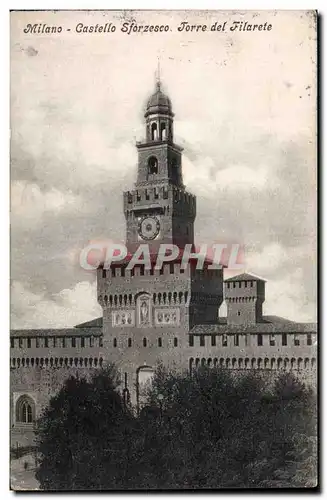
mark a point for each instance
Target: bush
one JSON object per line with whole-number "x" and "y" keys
{"x": 215, "y": 429}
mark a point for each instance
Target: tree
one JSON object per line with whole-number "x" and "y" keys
{"x": 82, "y": 435}
{"x": 213, "y": 429}
{"x": 222, "y": 429}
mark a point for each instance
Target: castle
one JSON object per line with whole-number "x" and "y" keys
{"x": 152, "y": 316}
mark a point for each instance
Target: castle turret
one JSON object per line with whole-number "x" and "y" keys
{"x": 244, "y": 295}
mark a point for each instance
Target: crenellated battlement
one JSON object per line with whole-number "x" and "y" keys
{"x": 153, "y": 197}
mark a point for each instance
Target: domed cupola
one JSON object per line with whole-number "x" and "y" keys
{"x": 159, "y": 116}
{"x": 158, "y": 103}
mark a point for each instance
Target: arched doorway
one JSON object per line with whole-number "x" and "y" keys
{"x": 144, "y": 376}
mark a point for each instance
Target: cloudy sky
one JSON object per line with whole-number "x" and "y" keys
{"x": 245, "y": 115}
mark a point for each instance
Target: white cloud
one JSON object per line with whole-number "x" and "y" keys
{"x": 203, "y": 177}
{"x": 271, "y": 258}
{"x": 65, "y": 309}
{"x": 242, "y": 177}
{"x": 287, "y": 297}
{"x": 29, "y": 203}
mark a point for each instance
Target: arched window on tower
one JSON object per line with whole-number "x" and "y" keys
{"x": 154, "y": 132}
{"x": 152, "y": 165}
{"x": 163, "y": 131}
{"x": 25, "y": 410}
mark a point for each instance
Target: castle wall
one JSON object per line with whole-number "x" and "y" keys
{"x": 39, "y": 383}
{"x": 177, "y": 350}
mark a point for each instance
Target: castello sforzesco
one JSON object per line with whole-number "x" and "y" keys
{"x": 151, "y": 316}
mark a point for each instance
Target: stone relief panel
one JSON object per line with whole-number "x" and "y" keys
{"x": 167, "y": 316}
{"x": 123, "y": 318}
{"x": 143, "y": 310}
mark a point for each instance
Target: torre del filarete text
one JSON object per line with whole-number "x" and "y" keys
{"x": 151, "y": 317}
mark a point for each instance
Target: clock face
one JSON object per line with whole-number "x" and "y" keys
{"x": 149, "y": 228}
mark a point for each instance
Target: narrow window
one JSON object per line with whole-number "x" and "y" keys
{"x": 259, "y": 338}
{"x": 46, "y": 342}
{"x": 91, "y": 341}
{"x": 104, "y": 273}
{"x": 100, "y": 342}
{"x": 236, "y": 340}
{"x": 28, "y": 343}
{"x": 20, "y": 343}
{"x": 154, "y": 132}
{"x": 175, "y": 342}
{"x": 26, "y": 413}
{"x": 245, "y": 284}
{"x": 82, "y": 342}
{"x": 63, "y": 342}
{"x": 309, "y": 339}
{"x": 162, "y": 270}
{"x": 284, "y": 339}
{"x": 213, "y": 340}
{"x": 234, "y": 284}
{"x": 54, "y": 342}
{"x": 122, "y": 271}
{"x": 73, "y": 342}
{"x": 163, "y": 131}
{"x": 224, "y": 340}
{"x": 113, "y": 272}
{"x": 115, "y": 342}
{"x": 129, "y": 342}
{"x": 191, "y": 341}
{"x": 12, "y": 343}
{"x": 296, "y": 340}
{"x": 142, "y": 270}
{"x": 159, "y": 342}
{"x": 272, "y": 340}
{"x": 202, "y": 341}
{"x": 240, "y": 284}
{"x": 144, "y": 342}
{"x": 182, "y": 270}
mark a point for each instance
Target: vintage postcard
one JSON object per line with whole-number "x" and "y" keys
{"x": 163, "y": 250}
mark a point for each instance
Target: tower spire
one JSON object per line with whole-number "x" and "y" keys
{"x": 158, "y": 81}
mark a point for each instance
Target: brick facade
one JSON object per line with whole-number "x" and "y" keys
{"x": 151, "y": 316}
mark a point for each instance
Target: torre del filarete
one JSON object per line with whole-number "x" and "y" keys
{"x": 150, "y": 317}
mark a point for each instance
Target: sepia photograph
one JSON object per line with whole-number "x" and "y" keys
{"x": 163, "y": 250}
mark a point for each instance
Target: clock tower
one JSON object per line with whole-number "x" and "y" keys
{"x": 159, "y": 209}
{"x": 148, "y": 312}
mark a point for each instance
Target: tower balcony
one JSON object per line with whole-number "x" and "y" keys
{"x": 144, "y": 143}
